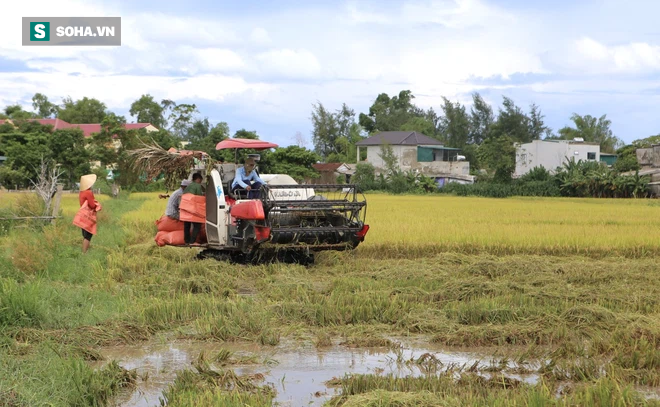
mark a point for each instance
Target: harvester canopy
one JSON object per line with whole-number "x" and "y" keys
{"x": 245, "y": 143}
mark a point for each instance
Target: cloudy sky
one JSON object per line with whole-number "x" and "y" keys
{"x": 260, "y": 66}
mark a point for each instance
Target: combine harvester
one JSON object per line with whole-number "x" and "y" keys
{"x": 288, "y": 223}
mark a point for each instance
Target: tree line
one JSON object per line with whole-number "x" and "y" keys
{"x": 26, "y": 142}
{"x": 485, "y": 135}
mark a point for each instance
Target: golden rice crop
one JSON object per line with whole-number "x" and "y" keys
{"x": 513, "y": 225}
{"x": 151, "y": 209}
{"x": 69, "y": 203}
{"x": 403, "y": 224}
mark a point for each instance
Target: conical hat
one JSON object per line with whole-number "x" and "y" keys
{"x": 86, "y": 181}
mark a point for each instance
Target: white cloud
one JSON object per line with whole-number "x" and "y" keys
{"x": 119, "y": 91}
{"x": 289, "y": 63}
{"x": 211, "y": 59}
{"x": 275, "y": 65}
{"x": 635, "y": 57}
{"x": 361, "y": 15}
{"x": 166, "y": 28}
{"x": 592, "y": 49}
{"x": 454, "y": 13}
{"x": 260, "y": 36}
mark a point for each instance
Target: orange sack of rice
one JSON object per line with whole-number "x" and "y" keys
{"x": 192, "y": 208}
{"x": 173, "y": 238}
{"x": 167, "y": 224}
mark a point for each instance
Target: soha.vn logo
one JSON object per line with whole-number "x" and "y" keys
{"x": 39, "y": 31}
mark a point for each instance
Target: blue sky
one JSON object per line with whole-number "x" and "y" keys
{"x": 261, "y": 66}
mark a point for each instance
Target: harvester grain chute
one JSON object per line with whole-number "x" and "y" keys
{"x": 288, "y": 223}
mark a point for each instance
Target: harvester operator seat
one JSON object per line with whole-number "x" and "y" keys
{"x": 229, "y": 179}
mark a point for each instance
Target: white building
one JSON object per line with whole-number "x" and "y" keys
{"x": 551, "y": 154}
{"x": 417, "y": 152}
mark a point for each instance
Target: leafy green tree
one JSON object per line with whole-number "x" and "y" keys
{"x": 389, "y": 114}
{"x": 626, "y": 159}
{"x": 346, "y": 146}
{"x": 68, "y": 148}
{"x": 147, "y": 110}
{"x": 24, "y": 151}
{"x": 421, "y": 125}
{"x": 6, "y": 128}
{"x": 292, "y": 160}
{"x": 85, "y": 110}
{"x": 481, "y": 118}
{"x": 537, "y": 127}
{"x": 102, "y": 144}
{"x": 163, "y": 138}
{"x": 515, "y": 124}
{"x": 242, "y": 133}
{"x": 335, "y": 134}
{"x": 454, "y": 124}
{"x": 180, "y": 117}
{"x": 469, "y": 151}
{"x": 498, "y": 156}
{"x": 325, "y": 130}
{"x": 365, "y": 177}
{"x": 16, "y": 112}
{"x": 43, "y": 106}
{"x": 204, "y": 137}
{"x": 199, "y": 130}
{"x": 592, "y": 129}
{"x": 646, "y": 142}
{"x": 390, "y": 161}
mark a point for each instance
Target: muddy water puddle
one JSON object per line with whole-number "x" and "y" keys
{"x": 298, "y": 373}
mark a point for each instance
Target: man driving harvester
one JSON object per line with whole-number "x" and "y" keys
{"x": 245, "y": 176}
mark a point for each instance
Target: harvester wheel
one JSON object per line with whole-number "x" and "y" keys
{"x": 214, "y": 254}
{"x": 287, "y": 256}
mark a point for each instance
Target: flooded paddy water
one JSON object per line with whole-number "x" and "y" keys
{"x": 299, "y": 374}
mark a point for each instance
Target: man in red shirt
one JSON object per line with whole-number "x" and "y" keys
{"x": 86, "y": 195}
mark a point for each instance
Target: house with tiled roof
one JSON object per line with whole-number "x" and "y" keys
{"x": 417, "y": 152}
{"x": 88, "y": 129}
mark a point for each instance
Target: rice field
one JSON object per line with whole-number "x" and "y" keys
{"x": 413, "y": 225}
{"x": 566, "y": 287}
{"x": 514, "y": 225}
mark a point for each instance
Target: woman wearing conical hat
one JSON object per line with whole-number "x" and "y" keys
{"x": 86, "y": 195}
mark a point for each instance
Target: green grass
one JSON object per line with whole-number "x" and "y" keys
{"x": 57, "y": 375}
{"x": 473, "y": 390}
{"x": 582, "y": 315}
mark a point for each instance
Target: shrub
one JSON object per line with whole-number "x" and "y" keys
{"x": 484, "y": 189}
{"x": 537, "y": 188}
{"x": 537, "y": 173}
{"x": 365, "y": 177}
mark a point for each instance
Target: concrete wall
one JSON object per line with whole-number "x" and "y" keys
{"x": 373, "y": 155}
{"x": 655, "y": 158}
{"x": 407, "y": 160}
{"x": 551, "y": 154}
{"x": 649, "y": 157}
{"x": 644, "y": 156}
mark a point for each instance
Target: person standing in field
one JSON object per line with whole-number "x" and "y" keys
{"x": 195, "y": 188}
{"x": 172, "y": 210}
{"x": 87, "y": 196}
